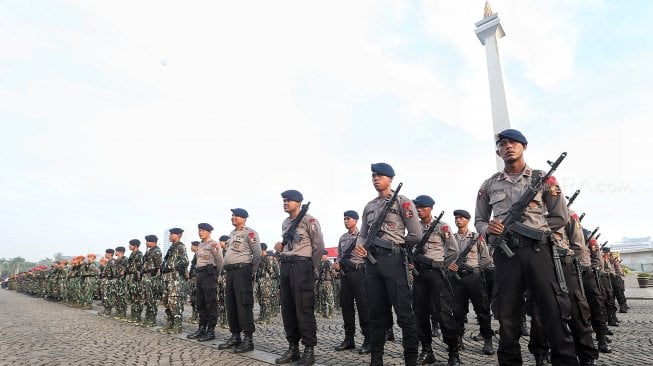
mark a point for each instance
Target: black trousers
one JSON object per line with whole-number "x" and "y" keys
{"x": 387, "y": 286}
{"x": 608, "y": 294}
{"x": 531, "y": 267}
{"x": 618, "y": 289}
{"x": 298, "y": 302}
{"x": 597, "y": 303}
{"x": 352, "y": 288}
{"x": 472, "y": 287}
{"x": 239, "y": 300}
{"x": 579, "y": 323}
{"x": 205, "y": 297}
{"x": 430, "y": 289}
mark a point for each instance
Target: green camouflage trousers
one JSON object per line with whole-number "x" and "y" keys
{"x": 173, "y": 295}
{"x": 221, "y": 305}
{"x": 134, "y": 290}
{"x": 326, "y": 300}
{"x": 89, "y": 283}
{"x": 120, "y": 293}
{"x": 265, "y": 296}
{"x": 150, "y": 285}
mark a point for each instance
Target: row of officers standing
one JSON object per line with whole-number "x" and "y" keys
{"x": 556, "y": 273}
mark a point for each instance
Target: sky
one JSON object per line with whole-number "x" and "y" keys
{"x": 122, "y": 119}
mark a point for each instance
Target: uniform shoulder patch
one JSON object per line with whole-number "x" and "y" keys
{"x": 551, "y": 181}
{"x": 481, "y": 192}
{"x": 252, "y": 236}
{"x": 408, "y": 213}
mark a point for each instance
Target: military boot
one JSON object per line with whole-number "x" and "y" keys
{"x": 208, "y": 335}
{"x": 291, "y": 354}
{"x": 623, "y": 308}
{"x": 488, "y": 347}
{"x": 435, "y": 329}
{"x": 389, "y": 335}
{"x": 246, "y": 346}
{"x": 193, "y": 318}
{"x": 376, "y": 359}
{"x": 176, "y": 327}
{"x": 198, "y": 333}
{"x": 233, "y": 341}
{"x": 454, "y": 358}
{"x": 348, "y": 343}
{"x": 308, "y": 357}
{"x": 365, "y": 348}
{"x": 170, "y": 323}
{"x": 137, "y": 319}
{"x": 426, "y": 357}
{"x": 588, "y": 362}
{"x": 539, "y": 359}
{"x": 461, "y": 345}
{"x": 612, "y": 320}
{"x": 602, "y": 343}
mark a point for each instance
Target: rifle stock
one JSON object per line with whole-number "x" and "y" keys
{"x": 374, "y": 229}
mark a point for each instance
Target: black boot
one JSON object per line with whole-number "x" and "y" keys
{"x": 612, "y": 320}
{"x": 539, "y": 359}
{"x": 291, "y": 354}
{"x": 622, "y": 308}
{"x": 410, "y": 360}
{"x": 376, "y": 359}
{"x": 208, "y": 335}
{"x": 461, "y": 345}
{"x": 365, "y": 348}
{"x": 308, "y": 357}
{"x": 608, "y": 331}
{"x": 348, "y": 343}
{"x": 246, "y": 345}
{"x": 233, "y": 341}
{"x": 426, "y": 357}
{"x": 435, "y": 329}
{"x": 488, "y": 347}
{"x": 198, "y": 333}
{"x": 389, "y": 335}
{"x": 588, "y": 362}
{"x": 454, "y": 358}
{"x": 602, "y": 344}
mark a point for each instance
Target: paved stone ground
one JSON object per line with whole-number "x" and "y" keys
{"x": 36, "y": 332}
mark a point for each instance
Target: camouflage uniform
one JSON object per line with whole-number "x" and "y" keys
{"x": 62, "y": 283}
{"x": 120, "y": 289}
{"x": 89, "y": 273}
{"x": 151, "y": 283}
{"x": 266, "y": 275}
{"x": 325, "y": 287}
{"x": 73, "y": 285}
{"x": 192, "y": 286}
{"x": 174, "y": 272}
{"x": 133, "y": 285}
{"x": 221, "y": 305}
{"x": 108, "y": 292}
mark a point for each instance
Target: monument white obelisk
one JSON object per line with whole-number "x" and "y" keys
{"x": 488, "y": 31}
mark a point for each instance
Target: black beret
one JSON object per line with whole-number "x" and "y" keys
{"x": 151, "y": 238}
{"x": 383, "y": 169}
{"x": 194, "y": 243}
{"x": 176, "y": 230}
{"x": 424, "y": 201}
{"x": 224, "y": 238}
{"x": 240, "y": 212}
{"x": 462, "y": 213}
{"x": 513, "y": 135}
{"x": 205, "y": 226}
{"x": 264, "y": 247}
{"x": 292, "y": 195}
{"x": 135, "y": 242}
{"x": 325, "y": 252}
{"x": 351, "y": 213}
{"x": 110, "y": 251}
{"x": 120, "y": 249}
{"x": 606, "y": 249}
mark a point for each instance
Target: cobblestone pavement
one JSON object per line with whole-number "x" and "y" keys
{"x": 38, "y": 332}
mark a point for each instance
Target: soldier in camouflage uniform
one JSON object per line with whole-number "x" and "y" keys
{"x": 192, "y": 283}
{"x": 325, "y": 287}
{"x": 62, "y": 276}
{"x": 276, "y": 299}
{"x": 108, "y": 296}
{"x": 118, "y": 283}
{"x": 53, "y": 289}
{"x": 150, "y": 280}
{"x": 133, "y": 281}
{"x": 73, "y": 283}
{"x": 88, "y": 273}
{"x": 221, "y": 305}
{"x": 265, "y": 286}
{"x": 174, "y": 273}
{"x": 98, "y": 286}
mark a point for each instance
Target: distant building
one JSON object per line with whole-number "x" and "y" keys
{"x": 631, "y": 244}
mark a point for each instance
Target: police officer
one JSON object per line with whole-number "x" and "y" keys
{"x": 299, "y": 262}
{"x": 594, "y": 293}
{"x": 209, "y": 264}
{"x": 240, "y": 264}
{"x": 433, "y": 285}
{"x": 531, "y": 266}
{"x": 352, "y": 286}
{"x": 386, "y": 282}
{"x": 471, "y": 285}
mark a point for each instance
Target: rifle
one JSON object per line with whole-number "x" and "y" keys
{"x": 579, "y": 274}
{"x": 580, "y": 218}
{"x": 290, "y": 236}
{"x": 597, "y": 237}
{"x": 462, "y": 256}
{"x": 420, "y": 257}
{"x": 511, "y": 221}
{"x": 604, "y": 244}
{"x": 591, "y": 235}
{"x": 344, "y": 259}
{"x": 573, "y": 198}
{"x": 375, "y": 228}
{"x": 419, "y": 248}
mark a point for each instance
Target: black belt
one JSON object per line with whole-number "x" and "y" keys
{"x": 357, "y": 267}
{"x": 467, "y": 272}
{"x": 293, "y": 258}
{"x": 230, "y": 267}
